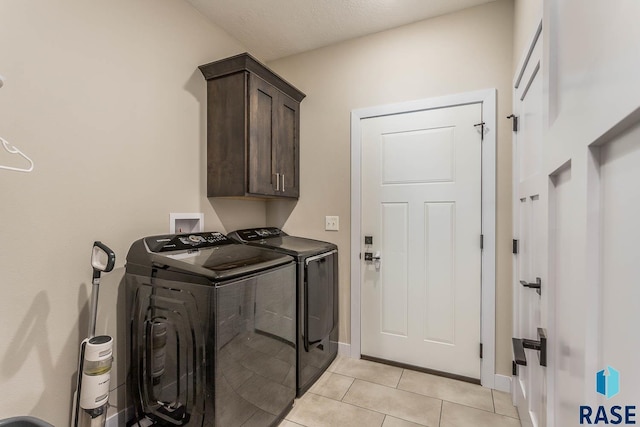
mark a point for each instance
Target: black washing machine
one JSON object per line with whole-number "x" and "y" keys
{"x": 317, "y": 318}
{"x": 211, "y": 336}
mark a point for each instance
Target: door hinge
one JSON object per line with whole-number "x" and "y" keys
{"x": 515, "y": 122}
{"x": 514, "y": 368}
{"x": 480, "y": 350}
{"x": 515, "y": 247}
{"x": 482, "y": 241}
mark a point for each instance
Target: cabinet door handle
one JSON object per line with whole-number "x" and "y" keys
{"x": 277, "y": 182}
{"x": 283, "y": 183}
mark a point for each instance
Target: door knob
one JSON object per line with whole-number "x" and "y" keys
{"x": 537, "y": 285}
{"x": 369, "y": 256}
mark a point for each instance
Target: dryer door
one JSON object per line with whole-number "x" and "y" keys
{"x": 321, "y": 276}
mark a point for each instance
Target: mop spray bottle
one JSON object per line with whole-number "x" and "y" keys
{"x": 96, "y": 378}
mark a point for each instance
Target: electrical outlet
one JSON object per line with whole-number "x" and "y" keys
{"x": 331, "y": 223}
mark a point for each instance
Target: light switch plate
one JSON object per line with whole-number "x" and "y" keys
{"x": 331, "y": 223}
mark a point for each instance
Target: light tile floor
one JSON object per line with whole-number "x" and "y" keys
{"x": 368, "y": 394}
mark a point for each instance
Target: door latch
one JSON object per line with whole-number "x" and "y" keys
{"x": 537, "y": 285}
{"x": 519, "y": 344}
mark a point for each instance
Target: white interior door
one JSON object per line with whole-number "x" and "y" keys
{"x": 587, "y": 191}
{"x": 618, "y": 343}
{"x": 594, "y": 274}
{"x": 529, "y": 222}
{"x": 421, "y": 204}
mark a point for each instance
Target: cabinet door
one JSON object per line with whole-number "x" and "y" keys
{"x": 286, "y": 148}
{"x": 263, "y": 102}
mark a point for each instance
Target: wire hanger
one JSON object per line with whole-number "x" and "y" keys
{"x": 12, "y": 149}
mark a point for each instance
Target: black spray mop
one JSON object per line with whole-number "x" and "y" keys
{"x": 96, "y": 355}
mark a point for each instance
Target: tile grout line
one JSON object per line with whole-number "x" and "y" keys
{"x": 445, "y": 400}
{"x": 395, "y": 416}
{"x": 347, "y": 392}
{"x": 504, "y": 415}
{"x": 408, "y": 391}
{"x": 382, "y": 413}
{"x": 424, "y": 395}
{"x": 400, "y": 379}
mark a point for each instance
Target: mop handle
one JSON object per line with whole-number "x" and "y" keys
{"x": 94, "y": 307}
{"x": 102, "y": 259}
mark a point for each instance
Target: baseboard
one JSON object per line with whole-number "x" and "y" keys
{"x": 502, "y": 383}
{"x": 117, "y": 419}
{"x": 112, "y": 421}
{"x": 344, "y": 349}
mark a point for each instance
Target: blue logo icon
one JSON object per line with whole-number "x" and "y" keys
{"x": 608, "y": 384}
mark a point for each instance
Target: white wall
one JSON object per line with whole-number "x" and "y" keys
{"x": 107, "y": 99}
{"x": 455, "y": 53}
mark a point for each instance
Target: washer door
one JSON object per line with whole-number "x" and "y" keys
{"x": 167, "y": 354}
{"x": 255, "y": 348}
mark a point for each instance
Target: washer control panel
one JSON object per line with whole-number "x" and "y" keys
{"x": 180, "y": 242}
{"x": 253, "y": 234}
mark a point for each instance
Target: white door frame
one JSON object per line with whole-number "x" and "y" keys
{"x": 487, "y": 98}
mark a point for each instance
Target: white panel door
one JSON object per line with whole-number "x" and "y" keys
{"x": 569, "y": 295}
{"x": 529, "y": 220}
{"x": 587, "y": 191}
{"x": 421, "y": 204}
{"x": 619, "y": 288}
{"x": 594, "y": 208}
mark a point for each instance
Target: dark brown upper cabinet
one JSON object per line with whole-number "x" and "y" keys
{"x": 253, "y": 130}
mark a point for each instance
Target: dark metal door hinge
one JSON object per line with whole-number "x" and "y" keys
{"x": 515, "y": 246}
{"x": 480, "y": 350}
{"x": 515, "y": 122}
{"x": 482, "y": 241}
{"x": 514, "y": 368}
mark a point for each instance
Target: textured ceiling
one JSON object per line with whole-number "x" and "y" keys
{"x": 274, "y": 29}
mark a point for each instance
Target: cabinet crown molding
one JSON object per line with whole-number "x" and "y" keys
{"x": 246, "y": 62}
